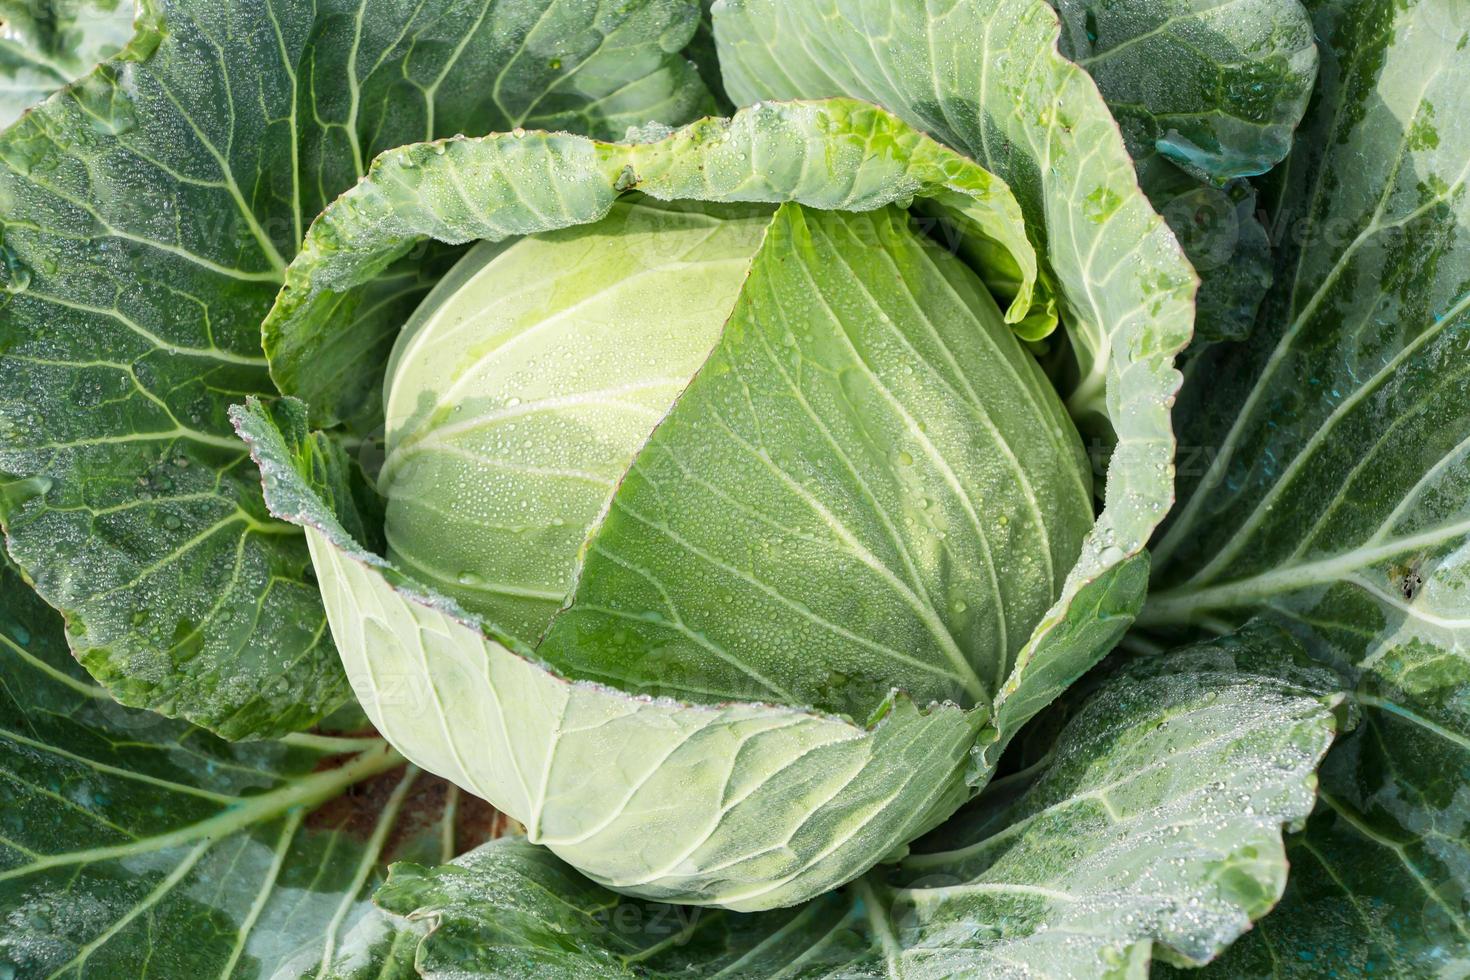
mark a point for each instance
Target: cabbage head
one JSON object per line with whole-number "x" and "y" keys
{"x": 717, "y": 518}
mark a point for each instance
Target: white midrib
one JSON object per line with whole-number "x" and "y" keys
{"x": 1181, "y": 604}
{"x": 305, "y": 792}
{"x": 1306, "y": 454}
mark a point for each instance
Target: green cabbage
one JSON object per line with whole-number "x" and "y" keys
{"x": 730, "y": 529}
{"x": 622, "y": 404}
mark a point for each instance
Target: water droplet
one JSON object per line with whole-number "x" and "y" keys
{"x": 17, "y": 274}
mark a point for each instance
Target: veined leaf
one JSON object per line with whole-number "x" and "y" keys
{"x": 869, "y": 484}
{"x": 127, "y": 838}
{"x": 1204, "y": 94}
{"x": 1152, "y": 828}
{"x": 149, "y": 212}
{"x": 835, "y": 155}
{"x": 1336, "y": 491}
{"x": 987, "y": 80}
{"x": 1339, "y": 459}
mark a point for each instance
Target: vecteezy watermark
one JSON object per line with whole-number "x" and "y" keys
{"x": 1191, "y": 461}
{"x": 1207, "y": 224}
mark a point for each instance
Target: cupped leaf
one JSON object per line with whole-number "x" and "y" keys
{"x": 869, "y": 484}
{"x": 830, "y": 155}
{"x": 127, "y": 838}
{"x": 837, "y": 154}
{"x": 1152, "y": 828}
{"x": 1336, "y": 492}
{"x": 742, "y": 805}
{"x": 149, "y": 212}
{"x": 50, "y": 43}
{"x": 1217, "y": 89}
{"x": 1203, "y": 95}
{"x": 1380, "y": 877}
{"x": 987, "y": 80}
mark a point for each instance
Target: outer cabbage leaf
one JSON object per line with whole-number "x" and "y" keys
{"x": 50, "y": 43}
{"x": 149, "y": 212}
{"x": 1151, "y": 828}
{"x": 745, "y": 805}
{"x": 1380, "y": 877}
{"x": 129, "y": 838}
{"x": 1337, "y": 499}
{"x": 1215, "y": 90}
{"x": 987, "y": 80}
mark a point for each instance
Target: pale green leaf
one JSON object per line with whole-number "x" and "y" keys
{"x": 1153, "y": 828}
{"x": 520, "y": 390}
{"x": 774, "y": 804}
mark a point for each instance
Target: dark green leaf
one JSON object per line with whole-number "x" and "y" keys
{"x": 148, "y": 215}
{"x": 1216, "y": 88}
{"x": 1213, "y": 91}
{"x": 1333, "y": 488}
{"x": 134, "y": 845}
